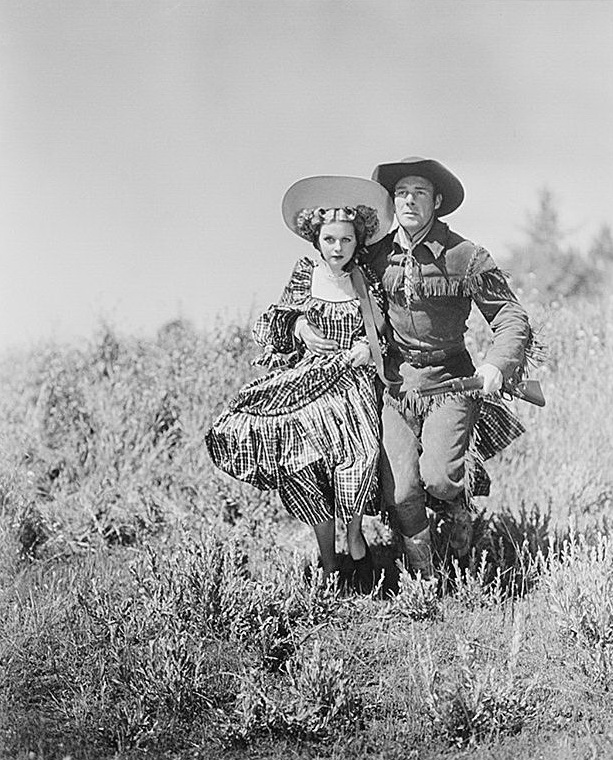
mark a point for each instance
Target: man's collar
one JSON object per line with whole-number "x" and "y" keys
{"x": 410, "y": 243}
{"x": 436, "y": 248}
{"x": 434, "y": 238}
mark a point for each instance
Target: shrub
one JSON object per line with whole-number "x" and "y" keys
{"x": 580, "y": 596}
{"x": 507, "y": 557}
{"x": 133, "y": 659}
{"x": 477, "y": 702}
{"x": 314, "y": 700}
{"x": 416, "y": 597}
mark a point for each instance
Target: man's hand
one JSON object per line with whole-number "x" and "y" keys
{"x": 492, "y": 378}
{"x": 313, "y": 338}
{"x": 360, "y": 354}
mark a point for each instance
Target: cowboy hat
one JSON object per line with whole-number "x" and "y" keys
{"x": 445, "y": 183}
{"x": 338, "y": 192}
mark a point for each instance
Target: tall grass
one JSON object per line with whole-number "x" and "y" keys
{"x": 149, "y": 604}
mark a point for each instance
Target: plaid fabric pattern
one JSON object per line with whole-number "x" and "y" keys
{"x": 274, "y": 330}
{"x": 309, "y": 493}
{"x": 310, "y": 430}
{"x": 317, "y": 493}
{"x": 340, "y": 321}
{"x": 496, "y": 428}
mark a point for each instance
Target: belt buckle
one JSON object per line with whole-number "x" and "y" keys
{"x": 419, "y": 358}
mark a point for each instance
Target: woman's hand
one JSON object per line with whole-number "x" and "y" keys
{"x": 492, "y": 378}
{"x": 360, "y": 354}
{"x": 313, "y": 338}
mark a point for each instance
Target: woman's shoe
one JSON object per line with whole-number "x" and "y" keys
{"x": 364, "y": 571}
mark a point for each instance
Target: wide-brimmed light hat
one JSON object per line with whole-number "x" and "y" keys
{"x": 446, "y": 183}
{"x": 330, "y": 191}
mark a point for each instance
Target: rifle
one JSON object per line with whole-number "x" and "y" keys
{"x": 526, "y": 390}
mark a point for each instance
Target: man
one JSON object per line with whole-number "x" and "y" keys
{"x": 431, "y": 454}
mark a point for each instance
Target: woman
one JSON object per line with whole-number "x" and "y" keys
{"x": 310, "y": 427}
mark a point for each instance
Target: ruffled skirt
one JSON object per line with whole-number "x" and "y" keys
{"x": 311, "y": 431}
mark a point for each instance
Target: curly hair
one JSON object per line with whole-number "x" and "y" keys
{"x": 365, "y": 222}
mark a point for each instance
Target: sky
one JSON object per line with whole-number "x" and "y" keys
{"x": 145, "y": 145}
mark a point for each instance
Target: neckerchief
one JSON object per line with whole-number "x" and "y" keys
{"x": 408, "y": 245}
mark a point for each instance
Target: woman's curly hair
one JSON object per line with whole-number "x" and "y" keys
{"x": 365, "y": 221}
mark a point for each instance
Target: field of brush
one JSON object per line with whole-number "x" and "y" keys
{"x": 152, "y": 607}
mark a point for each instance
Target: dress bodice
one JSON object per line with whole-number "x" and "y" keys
{"x": 338, "y": 320}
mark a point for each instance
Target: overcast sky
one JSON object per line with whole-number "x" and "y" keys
{"x": 146, "y": 144}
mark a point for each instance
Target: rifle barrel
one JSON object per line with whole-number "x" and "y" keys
{"x": 456, "y": 385}
{"x": 527, "y": 390}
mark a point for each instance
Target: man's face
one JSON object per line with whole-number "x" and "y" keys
{"x": 415, "y": 203}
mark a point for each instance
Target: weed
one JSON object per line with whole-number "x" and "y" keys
{"x": 416, "y": 598}
{"x": 508, "y": 556}
{"x": 317, "y": 699}
{"x": 580, "y": 596}
{"x": 477, "y": 702}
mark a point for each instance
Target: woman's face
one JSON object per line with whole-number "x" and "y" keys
{"x": 337, "y": 243}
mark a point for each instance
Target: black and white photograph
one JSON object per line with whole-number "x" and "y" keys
{"x": 306, "y": 360}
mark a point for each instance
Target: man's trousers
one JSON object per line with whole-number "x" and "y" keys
{"x": 424, "y": 454}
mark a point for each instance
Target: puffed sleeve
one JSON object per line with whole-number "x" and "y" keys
{"x": 274, "y": 329}
{"x": 506, "y": 317}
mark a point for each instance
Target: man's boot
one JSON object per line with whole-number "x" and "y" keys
{"x": 461, "y": 533}
{"x": 418, "y": 553}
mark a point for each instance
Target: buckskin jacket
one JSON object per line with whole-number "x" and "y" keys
{"x": 430, "y": 291}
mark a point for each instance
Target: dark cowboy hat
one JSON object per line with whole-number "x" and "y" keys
{"x": 331, "y": 191}
{"x": 445, "y": 183}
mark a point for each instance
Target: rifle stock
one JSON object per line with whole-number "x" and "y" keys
{"x": 526, "y": 390}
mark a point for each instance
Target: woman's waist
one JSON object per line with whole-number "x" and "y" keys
{"x": 341, "y": 358}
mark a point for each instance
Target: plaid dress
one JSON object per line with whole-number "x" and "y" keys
{"x": 310, "y": 426}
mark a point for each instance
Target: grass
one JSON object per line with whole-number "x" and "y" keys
{"x": 150, "y": 606}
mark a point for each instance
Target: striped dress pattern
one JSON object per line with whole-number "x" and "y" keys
{"x": 310, "y": 426}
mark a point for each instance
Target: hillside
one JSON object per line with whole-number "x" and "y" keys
{"x": 152, "y": 606}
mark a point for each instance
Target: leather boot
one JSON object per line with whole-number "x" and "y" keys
{"x": 461, "y": 533}
{"x": 418, "y": 553}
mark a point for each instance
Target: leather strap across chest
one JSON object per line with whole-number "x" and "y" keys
{"x": 374, "y": 323}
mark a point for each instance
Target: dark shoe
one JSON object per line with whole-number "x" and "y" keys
{"x": 364, "y": 572}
